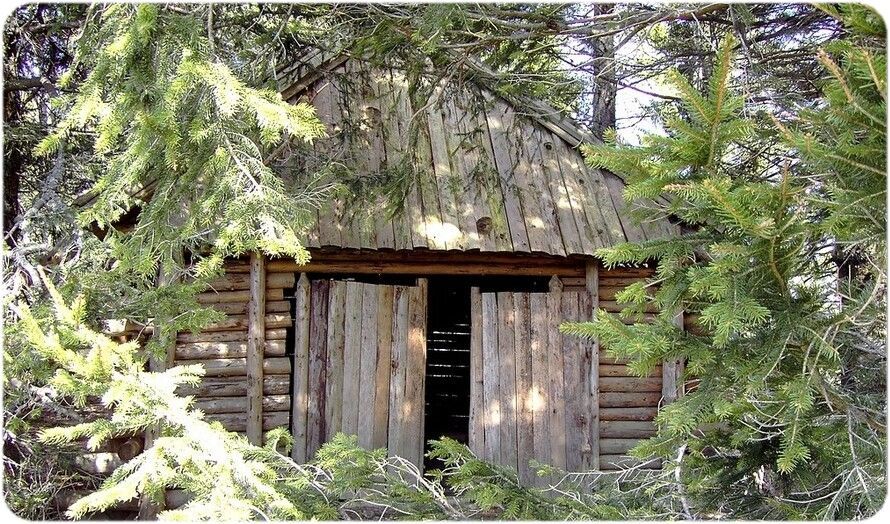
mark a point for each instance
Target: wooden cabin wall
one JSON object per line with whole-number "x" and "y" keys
{"x": 222, "y": 349}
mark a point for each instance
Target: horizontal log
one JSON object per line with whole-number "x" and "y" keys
{"x": 629, "y": 400}
{"x": 240, "y": 308}
{"x": 227, "y": 367}
{"x": 617, "y": 462}
{"x": 227, "y": 297}
{"x": 626, "y": 429}
{"x": 430, "y": 262}
{"x": 630, "y": 384}
{"x": 624, "y": 371}
{"x": 617, "y": 446}
{"x": 642, "y": 414}
{"x": 612, "y": 306}
{"x": 214, "y": 405}
{"x": 227, "y": 336}
{"x": 619, "y": 281}
{"x": 238, "y": 281}
{"x": 239, "y": 322}
{"x": 236, "y": 386}
{"x": 238, "y": 421}
{"x": 234, "y": 349}
{"x": 627, "y": 272}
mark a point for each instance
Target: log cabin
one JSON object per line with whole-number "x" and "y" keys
{"x": 434, "y": 312}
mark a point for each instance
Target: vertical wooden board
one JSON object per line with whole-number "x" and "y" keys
{"x": 413, "y": 213}
{"x": 587, "y": 214}
{"x": 394, "y": 148}
{"x": 671, "y": 372}
{"x": 352, "y": 358}
{"x": 507, "y": 378}
{"x": 485, "y": 177}
{"x": 415, "y": 373}
{"x": 525, "y": 415}
{"x": 315, "y": 428}
{"x": 573, "y": 388}
{"x": 447, "y": 180}
{"x": 500, "y": 120}
{"x": 593, "y": 277}
{"x": 399, "y": 366}
{"x": 615, "y": 187}
{"x": 476, "y": 438}
{"x": 425, "y": 180}
{"x": 589, "y": 447}
{"x": 465, "y": 191}
{"x": 374, "y": 108}
{"x": 490, "y": 377}
{"x": 383, "y": 365}
{"x": 368, "y": 366}
{"x": 335, "y": 343}
{"x": 557, "y": 383}
{"x": 540, "y": 377}
{"x": 566, "y": 216}
{"x": 256, "y": 333}
{"x": 300, "y": 391}
{"x": 328, "y": 104}
{"x": 537, "y": 206}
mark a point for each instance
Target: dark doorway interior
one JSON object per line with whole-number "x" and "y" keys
{"x": 448, "y": 361}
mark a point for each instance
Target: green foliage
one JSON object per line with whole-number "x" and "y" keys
{"x": 786, "y": 417}
{"x": 184, "y": 140}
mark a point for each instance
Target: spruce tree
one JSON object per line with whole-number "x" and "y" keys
{"x": 784, "y": 411}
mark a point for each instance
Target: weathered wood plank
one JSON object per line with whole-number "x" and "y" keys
{"x": 232, "y": 297}
{"x": 507, "y": 378}
{"x": 558, "y": 391}
{"x": 229, "y": 367}
{"x": 500, "y": 119}
{"x": 629, "y": 400}
{"x": 490, "y": 379}
{"x": 383, "y": 366}
{"x": 239, "y": 322}
{"x": 626, "y": 429}
{"x": 476, "y": 435}
{"x": 538, "y": 339}
{"x": 593, "y": 393}
{"x": 213, "y": 405}
{"x": 335, "y": 343}
{"x": 240, "y": 281}
{"x": 236, "y": 386}
{"x": 413, "y": 444}
{"x": 525, "y": 416}
{"x": 399, "y": 369}
{"x": 575, "y": 390}
{"x": 368, "y": 367}
{"x": 641, "y": 414}
{"x": 318, "y": 357}
{"x": 235, "y": 349}
{"x": 226, "y": 336}
{"x": 300, "y": 393}
{"x": 352, "y": 354}
{"x": 630, "y": 385}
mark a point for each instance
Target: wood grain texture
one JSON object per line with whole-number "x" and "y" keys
{"x": 300, "y": 394}
{"x": 315, "y": 407}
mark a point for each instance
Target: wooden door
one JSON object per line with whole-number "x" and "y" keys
{"x": 538, "y": 394}
{"x": 360, "y": 364}
{"x": 531, "y": 390}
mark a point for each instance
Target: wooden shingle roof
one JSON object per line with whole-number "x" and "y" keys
{"x": 480, "y": 173}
